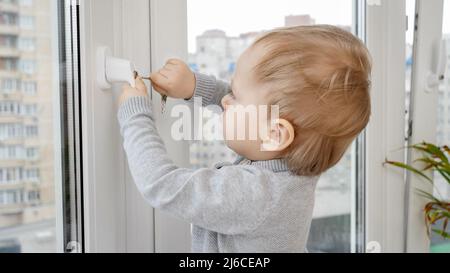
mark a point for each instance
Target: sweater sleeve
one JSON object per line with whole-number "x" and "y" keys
{"x": 231, "y": 200}
{"x": 209, "y": 89}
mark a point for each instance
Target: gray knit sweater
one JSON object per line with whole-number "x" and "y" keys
{"x": 248, "y": 206}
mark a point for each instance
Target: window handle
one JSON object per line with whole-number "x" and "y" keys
{"x": 434, "y": 78}
{"x": 112, "y": 70}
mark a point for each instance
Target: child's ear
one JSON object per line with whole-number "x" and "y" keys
{"x": 280, "y": 137}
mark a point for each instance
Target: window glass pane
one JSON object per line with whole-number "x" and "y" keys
{"x": 216, "y": 40}
{"x": 28, "y": 95}
{"x": 442, "y": 189}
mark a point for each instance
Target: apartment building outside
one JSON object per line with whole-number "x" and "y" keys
{"x": 26, "y": 123}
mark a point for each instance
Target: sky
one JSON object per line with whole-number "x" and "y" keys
{"x": 446, "y": 26}
{"x": 240, "y": 16}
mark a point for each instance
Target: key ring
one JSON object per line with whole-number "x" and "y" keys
{"x": 163, "y": 97}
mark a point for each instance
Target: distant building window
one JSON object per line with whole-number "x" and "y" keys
{"x": 11, "y": 197}
{"x": 9, "y": 85}
{"x": 32, "y": 153}
{"x": 32, "y": 174}
{"x": 8, "y": 41}
{"x": 11, "y": 175}
{"x": 8, "y": 64}
{"x": 27, "y": 44}
{"x": 26, "y": 3}
{"x": 31, "y": 131}
{"x": 14, "y": 152}
{"x": 33, "y": 196}
{"x": 27, "y": 22}
{"x": 9, "y": 108}
{"x": 8, "y": 18}
{"x": 30, "y": 109}
{"x": 10, "y": 130}
{"x": 28, "y": 66}
{"x": 29, "y": 88}
{"x": 16, "y": 108}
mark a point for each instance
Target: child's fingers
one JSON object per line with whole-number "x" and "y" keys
{"x": 140, "y": 85}
{"x": 160, "y": 90}
{"x": 160, "y": 79}
{"x": 174, "y": 61}
{"x": 126, "y": 87}
{"x": 169, "y": 67}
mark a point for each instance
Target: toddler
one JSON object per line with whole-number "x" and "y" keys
{"x": 318, "y": 77}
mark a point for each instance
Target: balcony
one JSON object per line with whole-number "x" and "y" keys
{"x": 9, "y": 29}
{"x": 10, "y": 73}
{"x": 12, "y": 6}
{"x": 10, "y": 163}
{"x": 9, "y": 52}
{"x": 20, "y": 140}
{"x": 6, "y": 210}
{"x": 9, "y": 118}
{"x": 16, "y": 185}
{"x": 15, "y": 95}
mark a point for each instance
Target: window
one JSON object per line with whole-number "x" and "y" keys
{"x": 27, "y": 22}
{"x": 10, "y": 131}
{"x": 30, "y": 109}
{"x": 34, "y": 132}
{"x": 31, "y": 131}
{"x": 29, "y": 88}
{"x": 11, "y": 197}
{"x": 28, "y": 66}
{"x": 9, "y": 108}
{"x": 27, "y": 44}
{"x": 430, "y": 25}
{"x": 8, "y": 64}
{"x": 9, "y": 85}
{"x": 215, "y": 43}
{"x": 8, "y": 18}
{"x": 32, "y": 174}
{"x": 8, "y": 41}
{"x": 438, "y": 244}
{"x": 32, "y": 153}
{"x": 26, "y": 3}
{"x": 11, "y": 175}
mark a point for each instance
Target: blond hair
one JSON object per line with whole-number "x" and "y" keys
{"x": 321, "y": 80}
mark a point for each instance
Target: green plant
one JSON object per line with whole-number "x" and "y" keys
{"x": 434, "y": 158}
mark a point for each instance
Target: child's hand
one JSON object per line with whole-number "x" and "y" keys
{"x": 128, "y": 91}
{"x": 174, "y": 80}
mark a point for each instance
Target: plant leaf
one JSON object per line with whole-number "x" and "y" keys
{"x": 409, "y": 168}
{"x": 442, "y": 233}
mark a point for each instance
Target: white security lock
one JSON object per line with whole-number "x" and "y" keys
{"x": 113, "y": 70}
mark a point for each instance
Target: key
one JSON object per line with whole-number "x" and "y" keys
{"x": 163, "y": 97}
{"x": 163, "y": 104}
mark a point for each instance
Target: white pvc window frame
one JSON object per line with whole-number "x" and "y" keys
{"x": 385, "y": 38}
{"x": 116, "y": 217}
{"x": 395, "y": 219}
{"x": 423, "y": 115}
